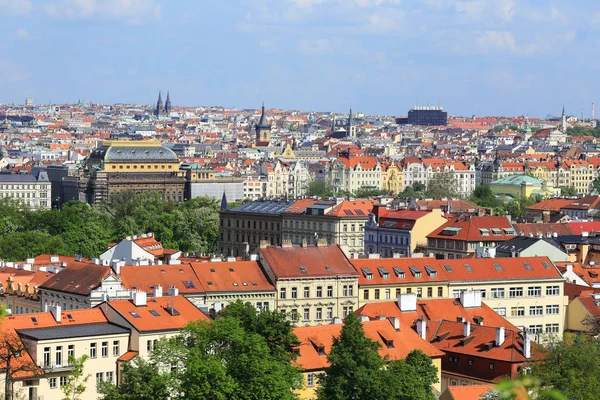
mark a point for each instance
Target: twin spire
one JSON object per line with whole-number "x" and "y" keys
{"x": 163, "y": 109}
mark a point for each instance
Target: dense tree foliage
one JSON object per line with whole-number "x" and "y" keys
{"x": 357, "y": 371}
{"x": 516, "y": 208}
{"x": 568, "y": 191}
{"x": 78, "y": 228}
{"x": 242, "y": 355}
{"x": 318, "y": 187}
{"x": 571, "y": 366}
{"x": 583, "y": 131}
{"x": 442, "y": 184}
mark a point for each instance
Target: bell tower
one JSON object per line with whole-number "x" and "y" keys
{"x": 263, "y": 130}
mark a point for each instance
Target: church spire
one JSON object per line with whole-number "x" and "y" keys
{"x": 563, "y": 121}
{"x": 168, "y": 106}
{"x": 159, "y": 105}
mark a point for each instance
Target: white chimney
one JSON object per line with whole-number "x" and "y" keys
{"x": 336, "y": 321}
{"x": 364, "y": 318}
{"x": 407, "y": 302}
{"x": 139, "y": 298}
{"x": 96, "y": 261}
{"x": 218, "y": 307}
{"x": 253, "y": 257}
{"x": 230, "y": 259}
{"x": 116, "y": 266}
{"x": 158, "y": 291}
{"x": 526, "y": 345}
{"x": 470, "y": 298}
{"x": 173, "y": 291}
{"x": 422, "y": 328}
{"x": 30, "y": 261}
{"x": 467, "y": 329}
{"x": 27, "y": 267}
{"x": 54, "y": 259}
{"x": 499, "y": 336}
{"x": 395, "y": 321}
{"x": 55, "y": 311}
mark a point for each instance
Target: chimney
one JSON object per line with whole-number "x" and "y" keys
{"x": 467, "y": 329}
{"x": 116, "y": 266}
{"x": 422, "y": 328}
{"x": 470, "y": 298}
{"x": 336, "y": 321}
{"x": 499, "y": 336}
{"x": 322, "y": 242}
{"x": 395, "y": 321}
{"x": 526, "y": 345}
{"x": 407, "y": 302}
{"x": 55, "y": 311}
{"x": 304, "y": 243}
{"x": 158, "y": 292}
{"x": 364, "y": 318}
{"x": 265, "y": 243}
{"x": 139, "y": 298}
{"x": 173, "y": 291}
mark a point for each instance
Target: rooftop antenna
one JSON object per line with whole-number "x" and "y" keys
{"x": 592, "y": 111}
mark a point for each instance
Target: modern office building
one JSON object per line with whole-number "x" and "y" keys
{"x": 425, "y": 115}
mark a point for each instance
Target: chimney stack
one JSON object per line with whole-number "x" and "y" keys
{"x": 407, "y": 302}
{"x": 139, "y": 298}
{"x": 395, "y": 321}
{"x": 173, "y": 291}
{"x": 526, "y": 345}
{"x": 467, "y": 329}
{"x": 55, "y": 311}
{"x": 422, "y": 328}
{"x": 158, "y": 292}
{"x": 499, "y": 336}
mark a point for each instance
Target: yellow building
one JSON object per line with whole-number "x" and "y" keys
{"x": 392, "y": 178}
{"x": 580, "y": 308}
{"x": 521, "y": 187}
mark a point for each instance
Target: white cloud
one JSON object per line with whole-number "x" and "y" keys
{"x": 22, "y": 33}
{"x": 315, "y": 46}
{"x": 307, "y": 4}
{"x": 387, "y": 20}
{"x": 130, "y": 11}
{"x": 13, "y": 7}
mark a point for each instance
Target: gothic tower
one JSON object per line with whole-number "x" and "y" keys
{"x": 168, "y": 106}
{"x": 159, "y": 110}
{"x": 263, "y": 130}
{"x": 351, "y": 127}
{"x": 563, "y": 121}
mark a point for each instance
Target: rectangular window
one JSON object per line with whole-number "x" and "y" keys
{"x": 553, "y": 309}
{"x": 306, "y": 314}
{"x": 517, "y": 311}
{"x": 70, "y": 352}
{"x": 329, "y": 312}
{"x": 63, "y": 381}
{"x": 408, "y": 290}
{"x": 350, "y": 290}
{"x": 282, "y": 293}
{"x": 52, "y": 383}
{"x": 429, "y": 292}
{"x": 440, "y": 291}
{"x": 534, "y": 291}
{"x": 345, "y": 290}
{"x": 46, "y": 356}
{"x": 535, "y": 329}
{"x": 515, "y": 292}
{"x": 388, "y": 294}
{"x": 501, "y": 311}
{"x": 116, "y": 348}
{"x": 109, "y": 376}
{"x": 552, "y": 290}
{"x": 294, "y": 293}
{"x": 536, "y": 310}
{"x": 419, "y": 292}
{"x": 310, "y": 380}
{"x": 366, "y": 294}
{"x": 148, "y": 345}
{"x": 552, "y": 328}
{"x": 319, "y": 313}
{"x": 329, "y": 291}
{"x": 319, "y": 291}
{"x": 497, "y": 293}
{"x": 104, "y": 349}
{"x": 376, "y": 294}
{"x": 59, "y": 355}
{"x": 99, "y": 377}
{"x": 92, "y": 350}
{"x": 306, "y": 292}
{"x": 398, "y": 292}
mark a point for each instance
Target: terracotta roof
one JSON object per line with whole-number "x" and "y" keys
{"x": 237, "y": 276}
{"x": 590, "y": 274}
{"x": 79, "y": 279}
{"x": 473, "y": 228}
{"x": 435, "y": 309}
{"x": 146, "y": 278}
{"x": 468, "y": 392}
{"x": 573, "y": 291}
{"x": 130, "y": 355}
{"x": 543, "y": 229}
{"x": 353, "y": 209}
{"x": 309, "y": 261}
{"x": 579, "y": 227}
{"x": 366, "y": 163}
{"x": 316, "y": 342}
{"x": 550, "y": 204}
{"x": 455, "y": 205}
{"x": 584, "y": 203}
{"x": 155, "y": 315}
{"x": 589, "y": 302}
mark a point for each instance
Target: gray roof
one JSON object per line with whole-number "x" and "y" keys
{"x": 72, "y": 331}
{"x": 18, "y": 178}
{"x": 139, "y": 153}
{"x": 264, "y": 207}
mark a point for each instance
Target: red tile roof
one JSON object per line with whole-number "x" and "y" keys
{"x": 543, "y": 229}
{"x": 550, "y": 204}
{"x": 313, "y": 337}
{"x": 77, "y": 278}
{"x": 296, "y": 262}
{"x": 353, "y": 209}
{"x": 471, "y": 226}
{"x": 146, "y": 278}
{"x": 237, "y": 276}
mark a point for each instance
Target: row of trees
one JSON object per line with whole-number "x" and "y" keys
{"x": 78, "y": 228}
{"x": 245, "y": 354}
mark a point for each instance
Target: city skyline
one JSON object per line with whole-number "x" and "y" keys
{"x": 380, "y": 57}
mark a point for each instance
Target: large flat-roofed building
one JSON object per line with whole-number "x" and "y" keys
{"x": 426, "y": 115}
{"x": 133, "y": 165}
{"x": 31, "y": 190}
{"x": 202, "y": 181}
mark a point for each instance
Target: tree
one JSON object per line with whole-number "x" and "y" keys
{"x": 356, "y": 368}
{"x": 272, "y": 325}
{"x": 319, "y": 188}
{"x": 484, "y": 197}
{"x": 141, "y": 380}
{"x": 563, "y": 365}
{"x": 411, "y": 378}
{"x": 75, "y": 386}
{"x": 568, "y": 191}
{"x": 442, "y": 184}
{"x": 15, "y": 361}
{"x": 364, "y": 193}
{"x": 416, "y": 191}
{"x": 596, "y": 185}
{"x": 21, "y": 245}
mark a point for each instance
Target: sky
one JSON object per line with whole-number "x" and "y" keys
{"x": 380, "y": 57}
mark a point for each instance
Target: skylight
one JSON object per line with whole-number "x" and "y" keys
{"x": 155, "y": 313}
{"x": 498, "y": 267}
{"x": 448, "y": 268}
{"x": 134, "y": 314}
{"x": 468, "y": 268}
{"x": 527, "y": 266}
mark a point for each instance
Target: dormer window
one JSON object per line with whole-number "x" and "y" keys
{"x": 399, "y": 273}
{"x": 430, "y": 271}
{"x": 367, "y": 274}
{"x": 414, "y": 271}
{"x": 384, "y": 273}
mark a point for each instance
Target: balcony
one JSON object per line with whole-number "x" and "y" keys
{"x": 56, "y": 368}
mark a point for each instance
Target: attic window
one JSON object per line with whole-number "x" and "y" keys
{"x": 209, "y": 283}
{"x": 430, "y": 271}
{"x": 367, "y": 273}
{"x": 496, "y": 232}
{"x": 416, "y": 273}
{"x": 155, "y": 313}
{"x": 384, "y": 273}
{"x": 498, "y": 267}
{"x": 450, "y": 231}
{"x": 484, "y": 232}
{"x": 546, "y": 265}
{"x": 508, "y": 231}
{"x": 231, "y": 270}
{"x": 34, "y": 320}
{"x": 302, "y": 269}
{"x": 244, "y": 284}
{"x": 468, "y": 268}
{"x": 235, "y": 284}
{"x": 328, "y": 268}
{"x": 172, "y": 311}
{"x": 527, "y": 266}
{"x": 448, "y": 268}
{"x": 189, "y": 285}
{"x": 254, "y": 284}
{"x": 69, "y": 317}
{"x": 212, "y": 270}
{"x": 134, "y": 314}
{"x": 399, "y": 273}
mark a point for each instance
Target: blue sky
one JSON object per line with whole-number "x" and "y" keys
{"x": 483, "y": 57}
